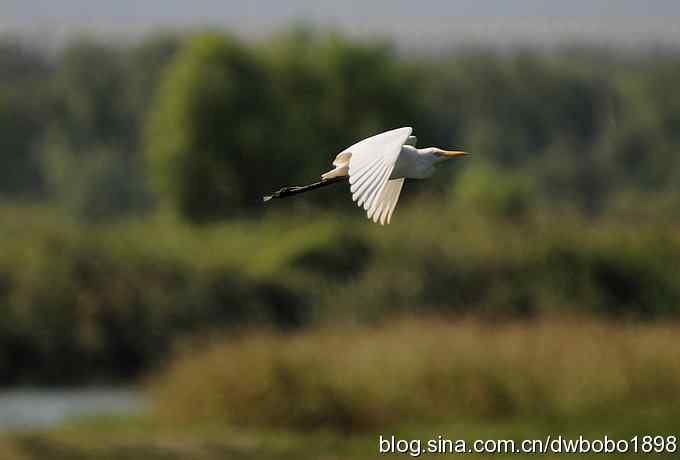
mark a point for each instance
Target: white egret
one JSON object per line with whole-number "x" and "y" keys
{"x": 376, "y": 168}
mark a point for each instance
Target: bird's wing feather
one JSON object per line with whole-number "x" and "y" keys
{"x": 382, "y": 210}
{"x": 370, "y": 167}
{"x": 412, "y": 141}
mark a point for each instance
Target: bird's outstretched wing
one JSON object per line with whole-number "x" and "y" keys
{"x": 387, "y": 202}
{"x": 370, "y": 167}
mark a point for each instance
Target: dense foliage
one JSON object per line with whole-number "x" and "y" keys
{"x": 83, "y": 303}
{"x": 198, "y": 122}
{"x": 111, "y": 155}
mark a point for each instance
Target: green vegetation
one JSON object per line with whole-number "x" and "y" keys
{"x": 129, "y": 439}
{"x": 197, "y": 122}
{"x": 134, "y": 245}
{"x": 330, "y": 393}
{"x": 143, "y": 439}
{"x": 215, "y": 114}
{"x": 229, "y": 121}
{"x": 118, "y": 297}
{"x": 374, "y": 378}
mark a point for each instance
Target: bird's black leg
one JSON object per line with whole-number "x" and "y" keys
{"x": 294, "y": 190}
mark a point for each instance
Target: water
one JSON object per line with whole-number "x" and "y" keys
{"x": 26, "y": 408}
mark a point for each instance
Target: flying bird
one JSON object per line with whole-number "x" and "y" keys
{"x": 376, "y": 168}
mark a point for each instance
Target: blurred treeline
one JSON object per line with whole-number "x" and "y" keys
{"x": 131, "y": 178}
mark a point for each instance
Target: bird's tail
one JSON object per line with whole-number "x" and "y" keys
{"x": 289, "y": 191}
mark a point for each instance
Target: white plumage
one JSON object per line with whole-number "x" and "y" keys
{"x": 378, "y": 165}
{"x": 376, "y": 168}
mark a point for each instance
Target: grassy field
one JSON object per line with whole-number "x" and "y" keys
{"x": 144, "y": 439}
{"x": 330, "y": 393}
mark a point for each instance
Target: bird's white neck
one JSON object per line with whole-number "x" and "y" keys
{"x": 415, "y": 163}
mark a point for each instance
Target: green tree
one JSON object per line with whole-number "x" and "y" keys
{"x": 24, "y": 72}
{"x": 19, "y": 167}
{"x": 89, "y": 104}
{"x": 212, "y": 134}
{"x": 335, "y": 91}
{"x": 91, "y": 151}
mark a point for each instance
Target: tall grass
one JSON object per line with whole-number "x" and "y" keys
{"x": 356, "y": 378}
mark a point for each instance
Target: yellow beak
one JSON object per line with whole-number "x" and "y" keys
{"x": 453, "y": 153}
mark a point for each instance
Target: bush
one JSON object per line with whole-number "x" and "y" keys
{"x": 212, "y": 132}
{"x": 87, "y": 302}
{"x": 83, "y": 304}
{"x": 349, "y": 378}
